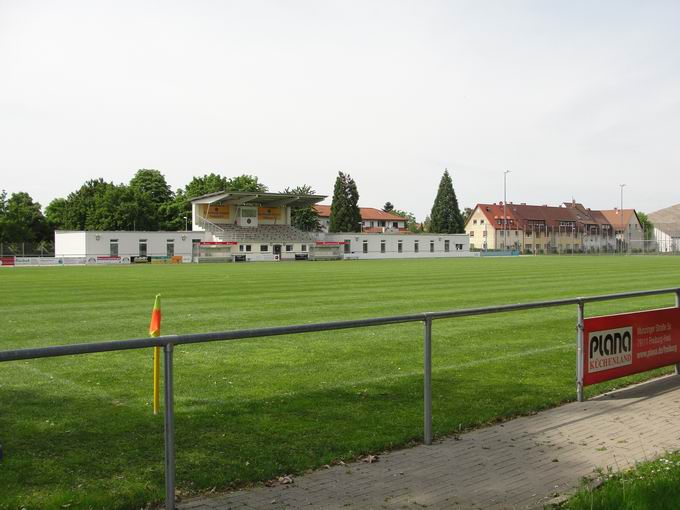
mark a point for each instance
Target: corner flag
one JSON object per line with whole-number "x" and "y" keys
{"x": 154, "y": 331}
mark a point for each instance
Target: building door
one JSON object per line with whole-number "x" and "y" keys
{"x": 277, "y": 251}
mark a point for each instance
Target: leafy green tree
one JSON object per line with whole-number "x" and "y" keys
{"x": 151, "y": 183}
{"x": 410, "y": 218}
{"x": 647, "y": 226}
{"x": 151, "y": 196}
{"x": 304, "y": 218}
{"x": 388, "y": 207}
{"x": 23, "y": 221}
{"x": 345, "y": 214}
{"x": 245, "y": 182}
{"x": 445, "y": 217}
{"x": 55, "y": 214}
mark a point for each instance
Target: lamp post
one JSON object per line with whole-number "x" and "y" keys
{"x": 621, "y": 212}
{"x": 505, "y": 210}
{"x": 186, "y": 223}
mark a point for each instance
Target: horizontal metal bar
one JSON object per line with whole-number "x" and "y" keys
{"x": 142, "y": 343}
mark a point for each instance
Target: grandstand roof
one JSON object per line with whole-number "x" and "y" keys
{"x": 367, "y": 213}
{"x": 256, "y": 198}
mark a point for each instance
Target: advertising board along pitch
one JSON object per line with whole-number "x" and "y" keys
{"x": 619, "y": 345}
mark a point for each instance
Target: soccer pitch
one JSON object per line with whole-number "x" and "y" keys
{"x": 79, "y": 431}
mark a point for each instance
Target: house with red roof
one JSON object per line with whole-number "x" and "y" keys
{"x": 567, "y": 228}
{"x": 373, "y": 221}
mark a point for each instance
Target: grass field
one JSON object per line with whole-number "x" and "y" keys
{"x": 649, "y": 486}
{"x": 79, "y": 431}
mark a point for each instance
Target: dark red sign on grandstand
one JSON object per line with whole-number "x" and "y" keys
{"x": 619, "y": 345}
{"x": 6, "y": 261}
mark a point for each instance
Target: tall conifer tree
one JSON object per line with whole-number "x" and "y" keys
{"x": 446, "y": 217}
{"x": 345, "y": 214}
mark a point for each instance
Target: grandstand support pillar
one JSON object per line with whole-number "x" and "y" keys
{"x": 677, "y": 304}
{"x": 169, "y": 430}
{"x": 427, "y": 381}
{"x": 579, "y": 352}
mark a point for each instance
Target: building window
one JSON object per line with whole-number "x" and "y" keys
{"x": 241, "y": 247}
{"x": 415, "y": 246}
{"x": 249, "y": 247}
{"x": 382, "y": 223}
{"x": 365, "y": 246}
{"x": 382, "y": 246}
{"x": 446, "y": 245}
{"x": 170, "y": 248}
{"x": 113, "y": 248}
{"x": 431, "y": 246}
{"x": 400, "y": 246}
{"x": 395, "y": 224}
{"x": 347, "y": 245}
{"x": 289, "y": 247}
{"x": 484, "y": 234}
{"x": 142, "y": 247}
{"x": 472, "y": 233}
{"x": 474, "y": 222}
{"x": 459, "y": 247}
{"x": 303, "y": 247}
{"x": 481, "y": 222}
{"x": 264, "y": 247}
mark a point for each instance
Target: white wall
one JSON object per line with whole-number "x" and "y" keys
{"x": 96, "y": 243}
{"x": 69, "y": 243}
{"x": 356, "y": 241}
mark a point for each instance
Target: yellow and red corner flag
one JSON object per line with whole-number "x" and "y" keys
{"x": 154, "y": 331}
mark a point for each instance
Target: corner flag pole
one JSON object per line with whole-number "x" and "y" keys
{"x": 154, "y": 331}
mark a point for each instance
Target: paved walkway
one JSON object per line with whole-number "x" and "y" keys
{"x": 523, "y": 463}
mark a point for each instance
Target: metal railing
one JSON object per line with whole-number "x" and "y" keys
{"x": 168, "y": 343}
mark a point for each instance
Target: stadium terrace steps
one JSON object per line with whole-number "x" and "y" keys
{"x": 263, "y": 233}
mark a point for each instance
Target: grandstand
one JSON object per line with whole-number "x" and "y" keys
{"x": 240, "y": 226}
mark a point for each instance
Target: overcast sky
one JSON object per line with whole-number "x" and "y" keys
{"x": 573, "y": 97}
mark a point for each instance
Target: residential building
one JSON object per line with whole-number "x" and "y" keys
{"x": 568, "y": 228}
{"x": 373, "y": 221}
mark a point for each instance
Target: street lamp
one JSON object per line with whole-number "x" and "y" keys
{"x": 505, "y": 206}
{"x": 186, "y": 223}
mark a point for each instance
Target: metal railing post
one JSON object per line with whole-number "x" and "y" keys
{"x": 427, "y": 381}
{"x": 677, "y": 304}
{"x": 579, "y": 352}
{"x": 169, "y": 429}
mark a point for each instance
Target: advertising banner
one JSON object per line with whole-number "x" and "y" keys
{"x": 625, "y": 344}
{"x": 268, "y": 213}
{"x": 6, "y": 261}
{"x": 217, "y": 212}
{"x": 38, "y": 261}
{"x": 74, "y": 261}
{"x": 140, "y": 260}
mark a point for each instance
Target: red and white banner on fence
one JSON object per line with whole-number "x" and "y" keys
{"x": 629, "y": 343}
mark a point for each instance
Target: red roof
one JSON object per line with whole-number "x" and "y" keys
{"x": 525, "y": 216}
{"x": 367, "y": 213}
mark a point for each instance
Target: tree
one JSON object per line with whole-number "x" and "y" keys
{"x": 150, "y": 196}
{"x": 345, "y": 214}
{"x": 23, "y": 221}
{"x": 304, "y": 218}
{"x": 445, "y": 217}
{"x": 411, "y": 223}
{"x": 55, "y": 214}
{"x": 647, "y": 226}
{"x": 388, "y": 207}
{"x": 245, "y": 182}
{"x": 466, "y": 215}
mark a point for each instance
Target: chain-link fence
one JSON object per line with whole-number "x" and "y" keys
{"x": 27, "y": 249}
